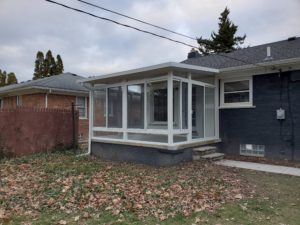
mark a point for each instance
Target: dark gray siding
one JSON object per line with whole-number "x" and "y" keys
{"x": 259, "y": 125}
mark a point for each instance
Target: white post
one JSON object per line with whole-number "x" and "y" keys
{"x": 91, "y": 120}
{"x": 106, "y": 107}
{"x": 190, "y": 112}
{"x": 170, "y": 108}
{"x": 217, "y": 127}
{"x": 204, "y": 115}
{"x": 145, "y": 106}
{"x": 124, "y": 109}
{"x": 180, "y": 105}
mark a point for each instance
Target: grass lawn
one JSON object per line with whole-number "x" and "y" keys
{"x": 60, "y": 188}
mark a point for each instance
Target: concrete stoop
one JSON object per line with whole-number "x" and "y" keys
{"x": 208, "y": 153}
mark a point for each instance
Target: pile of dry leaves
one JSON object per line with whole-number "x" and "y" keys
{"x": 83, "y": 185}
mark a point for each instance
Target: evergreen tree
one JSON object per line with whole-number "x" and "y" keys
{"x": 224, "y": 40}
{"x": 59, "y": 65}
{"x": 11, "y": 79}
{"x": 47, "y": 66}
{"x": 2, "y": 79}
{"x": 39, "y": 63}
{"x": 52, "y": 67}
{"x": 7, "y": 79}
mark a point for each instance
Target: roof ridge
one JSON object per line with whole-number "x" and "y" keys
{"x": 241, "y": 49}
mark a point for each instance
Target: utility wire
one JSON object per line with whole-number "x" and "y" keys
{"x": 148, "y": 32}
{"x": 138, "y": 20}
{"x": 121, "y": 24}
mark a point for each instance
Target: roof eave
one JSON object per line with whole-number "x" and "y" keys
{"x": 163, "y": 66}
{"x": 39, "y": 89}
{"x": 264, "y": 65}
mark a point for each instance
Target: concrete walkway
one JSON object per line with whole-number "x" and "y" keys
{"x": 261, "y": 167}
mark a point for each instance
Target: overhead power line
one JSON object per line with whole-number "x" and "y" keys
{"x": 138, "y": 20}
{"x": 148, "y": 32}
{"x": 121, "y": 24}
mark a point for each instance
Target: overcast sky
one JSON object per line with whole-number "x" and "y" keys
{"x": 90, "y": 46}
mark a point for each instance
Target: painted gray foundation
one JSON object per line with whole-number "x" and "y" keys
{"x": 143, "y": 155}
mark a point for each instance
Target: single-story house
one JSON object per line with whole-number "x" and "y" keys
{"x": 247, "y": 101}
{"x": 51, "y": 92}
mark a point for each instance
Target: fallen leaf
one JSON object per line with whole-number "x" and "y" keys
{"x": 2, "y": 214}
{"x": 238, "y": 196}
{"x": 62, "y": 222}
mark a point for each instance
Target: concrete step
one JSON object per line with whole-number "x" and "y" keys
{"x": 213, "y": 156}
{"x": 204, "y": 150}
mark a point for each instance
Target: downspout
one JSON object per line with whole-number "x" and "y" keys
{"x": 46, "y": 97}
{"x": 91, "y": 95}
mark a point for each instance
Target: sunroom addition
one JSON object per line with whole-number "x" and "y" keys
{"x": 167, "y": 106}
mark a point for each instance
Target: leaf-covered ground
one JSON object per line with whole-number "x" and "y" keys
{"x": 64, "y": 182}
{"x": 65, "y": 189}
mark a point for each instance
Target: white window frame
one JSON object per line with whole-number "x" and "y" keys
{"x": 253, "y": 150}
{"x": 19, "y": 100}
{"x": 169, "y": 130}
{"x": 151, "y": 119}
{"x": 236, "y": 104}
{"x": 85, "y": 105}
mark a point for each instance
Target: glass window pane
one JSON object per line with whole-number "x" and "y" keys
{"x": 81, "y": 112}
{"x": 162, "y": 138}
{"x": 176, "y": 104}
{"x": 198, "y": 111}
{"x": 80, "y": 101}
{"x": 114, "y": 107}
{"x": 184, "y": 105}
{"x": 179, "y": 138}
{"x": 135, "y": 105}
{"x": 236, "y": 97}
{"x": 157, "y": 105}
{"x": 100, "y": 108}
{"x": 209, "y": 112}
{"x": 106, "y": 134}
{"x": 80, "y": 105}
{"x": 236, "y": 86}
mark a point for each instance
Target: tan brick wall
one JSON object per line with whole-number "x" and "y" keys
{"x": 34, "y": 100}
{"x": 65, "y": 102}
{"x": 60, "y": 101}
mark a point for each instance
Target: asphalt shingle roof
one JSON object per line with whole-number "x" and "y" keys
{"x": 64, "y": 81}
{"x": 280, "y": 50}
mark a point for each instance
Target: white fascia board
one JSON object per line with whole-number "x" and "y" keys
{"x": 38, "y": 89}
{"x": 266, "y": 67}
{"x": 168, "y": 65}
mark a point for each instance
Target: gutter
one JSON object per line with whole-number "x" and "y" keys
{"x": 67, "y": 91}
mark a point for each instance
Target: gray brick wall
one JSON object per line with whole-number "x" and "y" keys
{"x": 259, "y": 125}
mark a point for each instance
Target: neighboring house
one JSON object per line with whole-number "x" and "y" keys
{"x": 51, "y": 92}
{"x": 247, "y": 100}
